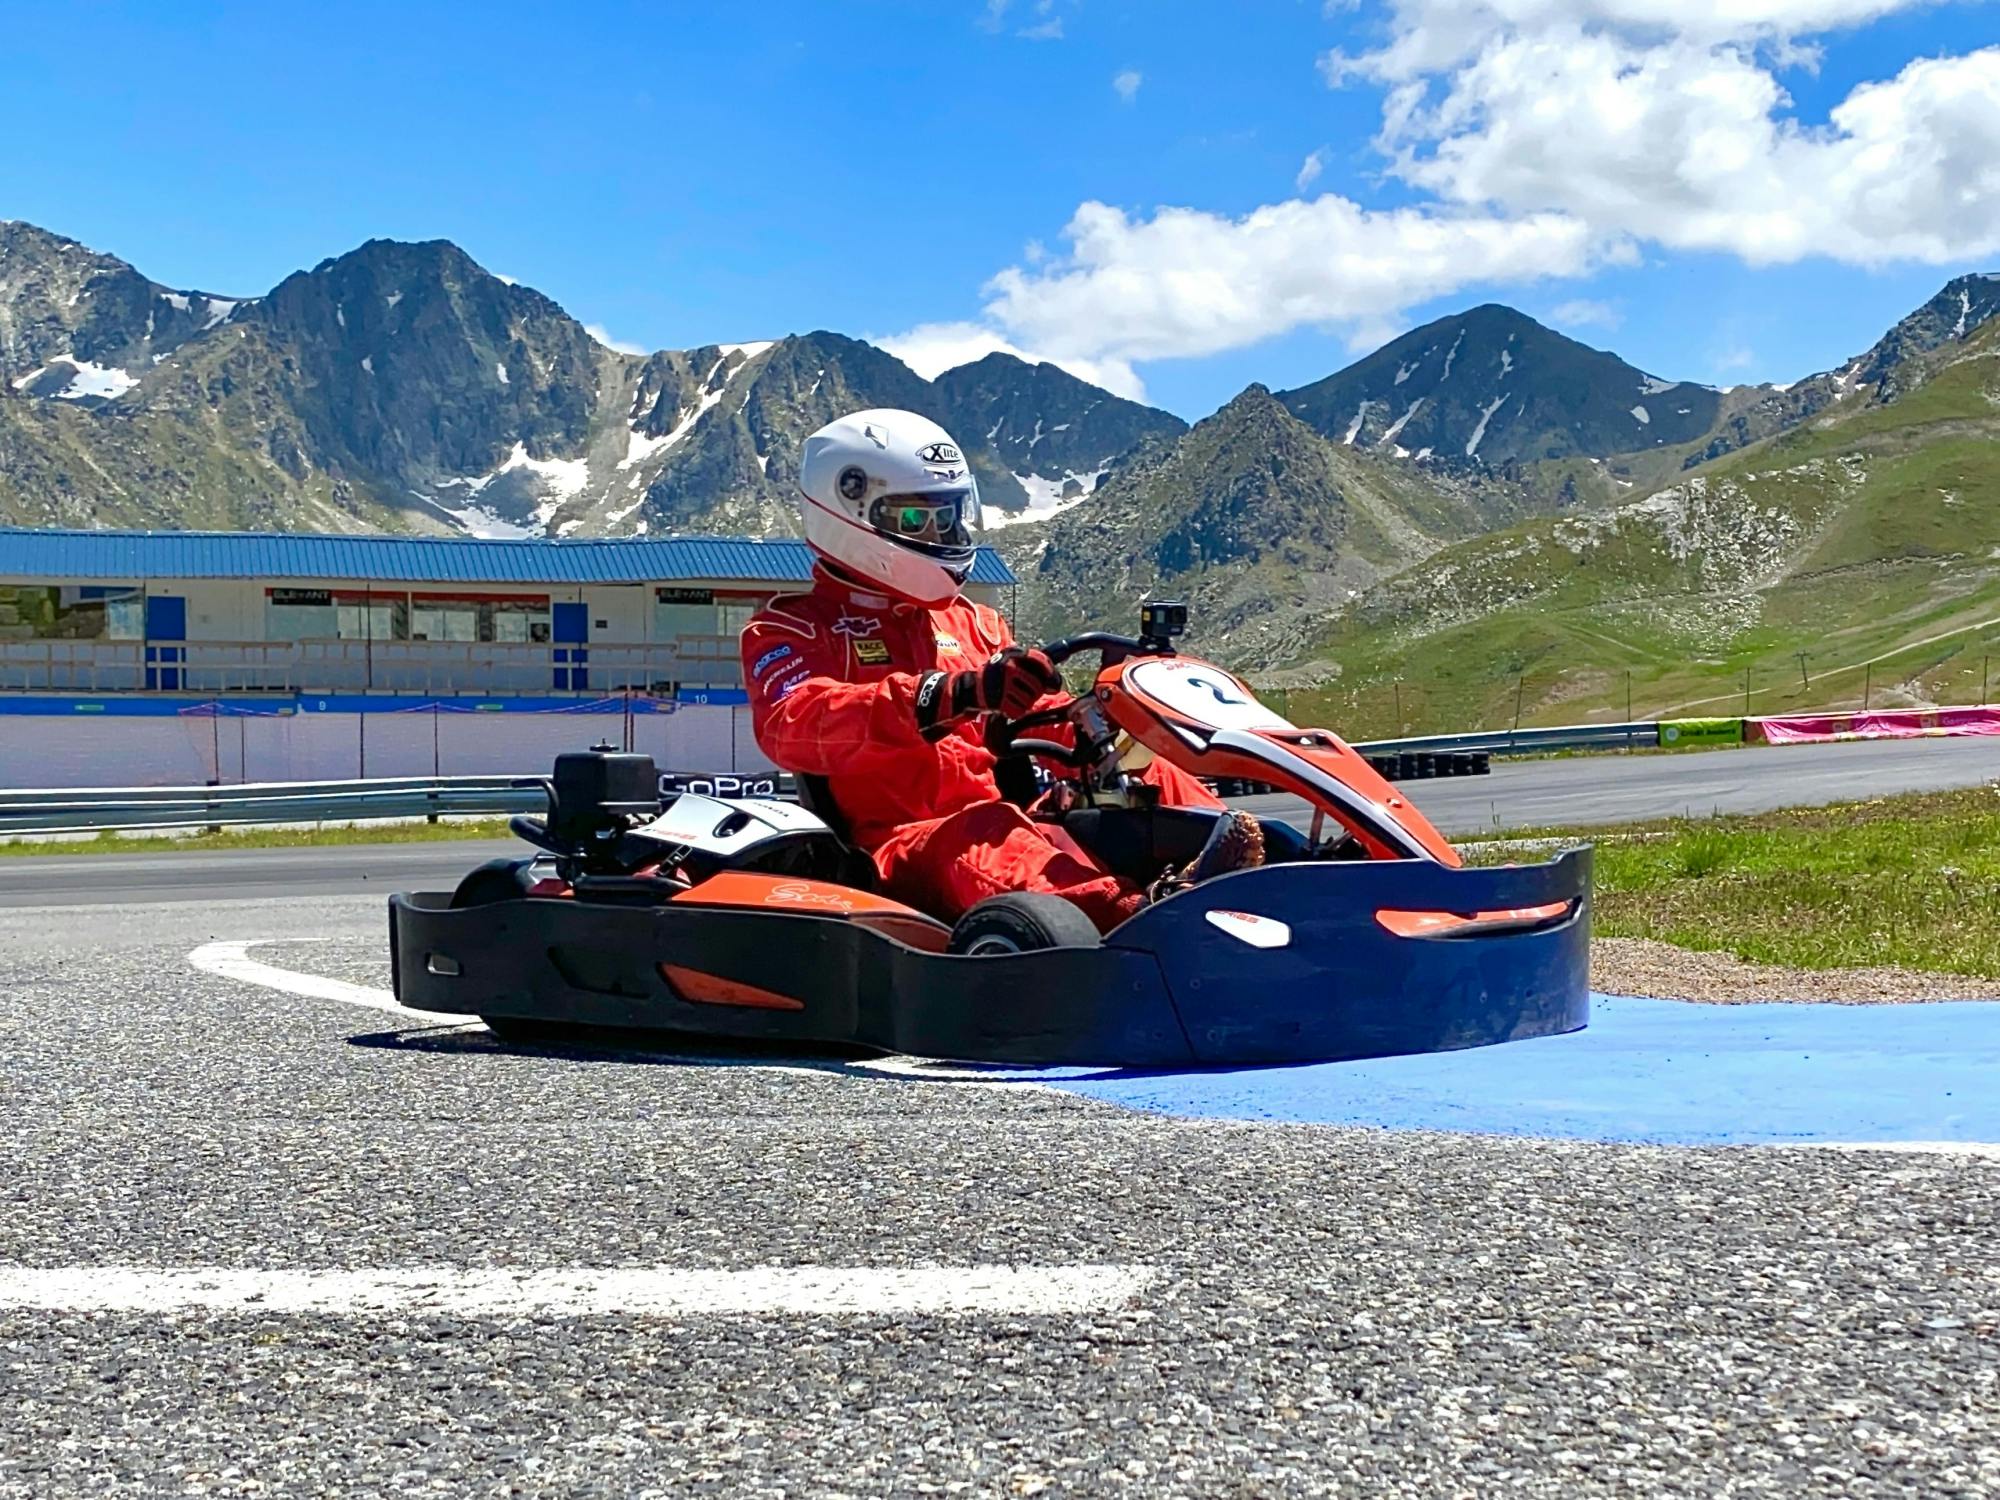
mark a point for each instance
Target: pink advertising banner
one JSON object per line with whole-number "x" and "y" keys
{"x": 1876, "y": 724}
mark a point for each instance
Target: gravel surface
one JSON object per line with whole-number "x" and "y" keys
{"x": 1643, "y": 966}
{"x": 1338, "y": 1311}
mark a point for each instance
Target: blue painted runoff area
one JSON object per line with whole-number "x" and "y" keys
{"x": 1669, "y": 1072}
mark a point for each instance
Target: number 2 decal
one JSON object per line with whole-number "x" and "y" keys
{"x": 1221, "y": 694}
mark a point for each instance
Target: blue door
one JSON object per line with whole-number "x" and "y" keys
{"x": 570, "y": 625}
{"x": 166, "y": 620}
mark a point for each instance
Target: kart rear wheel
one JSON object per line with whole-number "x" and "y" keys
{"x": 1021, "y": 922}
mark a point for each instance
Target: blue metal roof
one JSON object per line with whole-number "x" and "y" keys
{"x": 132, "y": 556}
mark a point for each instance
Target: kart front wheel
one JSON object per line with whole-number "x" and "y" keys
{"x": 496, "y": 880}
{"x": 1021, "y": 922}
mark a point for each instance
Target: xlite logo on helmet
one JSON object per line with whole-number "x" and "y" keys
{"x": 939, "y": 453}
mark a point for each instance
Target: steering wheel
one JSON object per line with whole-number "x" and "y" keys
{"x": 1005, "y": 737}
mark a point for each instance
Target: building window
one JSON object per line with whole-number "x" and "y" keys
{"x": 508, "y": 619}
{"x": 335, "y": 615}
{"x": 72, "y": 612}
{"x": 682, "y": 613}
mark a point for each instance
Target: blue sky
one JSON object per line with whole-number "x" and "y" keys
{"x": 683, "y": 173}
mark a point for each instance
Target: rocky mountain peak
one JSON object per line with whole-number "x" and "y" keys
{"x": 81, "y": 326}
{"x": 1492, "y": 386}
{"x": 1055, "y": 435}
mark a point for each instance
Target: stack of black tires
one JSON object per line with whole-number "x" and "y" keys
{"x": 1416, "y": 765}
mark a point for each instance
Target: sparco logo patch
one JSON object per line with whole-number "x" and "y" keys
{"x": 768, "y": 660}
{"x": 938, "y": 453}
{"x": 857, "y": 625}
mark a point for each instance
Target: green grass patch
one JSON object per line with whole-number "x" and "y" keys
{"x": 1910, "y": 881}
{"x": 265, "y": 838}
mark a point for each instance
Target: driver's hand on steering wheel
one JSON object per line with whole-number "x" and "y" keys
{"x": 1011, "y": 684}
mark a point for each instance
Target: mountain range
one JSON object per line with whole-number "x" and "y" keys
{"x": 402, "y": 386}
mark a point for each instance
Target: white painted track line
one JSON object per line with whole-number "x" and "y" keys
{"x": 231, "y": 960}
{"x": 767, "y": 1291}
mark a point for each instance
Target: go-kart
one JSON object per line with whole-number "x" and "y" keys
{"x": 1361, "y": 935}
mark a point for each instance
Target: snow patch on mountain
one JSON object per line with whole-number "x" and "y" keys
{"x": 1643, "y": 417}
{"x": 565, "y": 477}
{"x": 1389, "y": 437}
{"x": 1045, "y": 499}
{"x": 750, "y": 350}
{"x": 1479, "y": 432}
{"x": 1652, "y": 385}
{"x": 1452, "y": 355}
{"x": 103, "y": 382}
{"x": 1360, "y": 416}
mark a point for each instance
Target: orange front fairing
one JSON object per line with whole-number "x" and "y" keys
{"x": 1426, "y": 924}
{"x": 1208, "y": 722}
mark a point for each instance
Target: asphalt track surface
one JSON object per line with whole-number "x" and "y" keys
{"x": 1323, "y": 1310}
{"x": 1521, "y": 794}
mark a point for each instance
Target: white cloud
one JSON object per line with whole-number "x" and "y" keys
{"x": 1184, "y": 282}
{"x": 1548, "y": 138}
{"x": 1584, "y": 312}
{"x": 1043, "y": 31}
{"x": 1689, "y": 147}
{"x": 994, "y": 14}
{"x": 603, "y": 336}
{"x": 1433, "y": 36}
{"x": 933, "y": 348}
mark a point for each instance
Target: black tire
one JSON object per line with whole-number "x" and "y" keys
{"x": 496, "y": 880}
{"x": 1022, "y": 922}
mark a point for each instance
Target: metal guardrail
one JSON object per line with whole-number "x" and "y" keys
{"x": 101, "y": 809}
{"x": 1526, "y": 741}
{"x": 108, "y": 809}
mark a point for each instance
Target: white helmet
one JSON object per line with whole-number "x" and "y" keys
{"x": 889, "y": 497}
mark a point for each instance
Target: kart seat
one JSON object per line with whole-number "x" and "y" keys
{"x": 816, "y": 797}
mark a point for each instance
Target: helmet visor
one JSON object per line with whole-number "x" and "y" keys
{"x": 935, "y": 518}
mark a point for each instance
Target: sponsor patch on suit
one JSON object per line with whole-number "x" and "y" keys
{"x": 871, "y": 652}
{"x": 769, "y": 660}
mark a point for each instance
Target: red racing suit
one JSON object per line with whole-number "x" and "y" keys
{"x": 832, "y": 676}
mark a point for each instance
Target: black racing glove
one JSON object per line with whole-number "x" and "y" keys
{"x": 1009, "y": 685}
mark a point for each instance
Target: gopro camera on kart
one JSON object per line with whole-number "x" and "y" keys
{"x": 1160, "y": 620}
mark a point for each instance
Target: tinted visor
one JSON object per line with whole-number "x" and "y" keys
{"x": 936, "y": 518}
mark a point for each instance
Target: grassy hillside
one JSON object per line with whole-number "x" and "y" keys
{"x": 1866, "y": 539}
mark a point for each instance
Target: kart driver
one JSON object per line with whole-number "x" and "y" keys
{"x": 882, "y": 679}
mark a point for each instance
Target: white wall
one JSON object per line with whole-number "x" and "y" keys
{"x": 186, "y": 750}
{"x": 620, "y": 613}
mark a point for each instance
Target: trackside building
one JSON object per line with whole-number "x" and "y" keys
{"x": 470, "y": 652}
